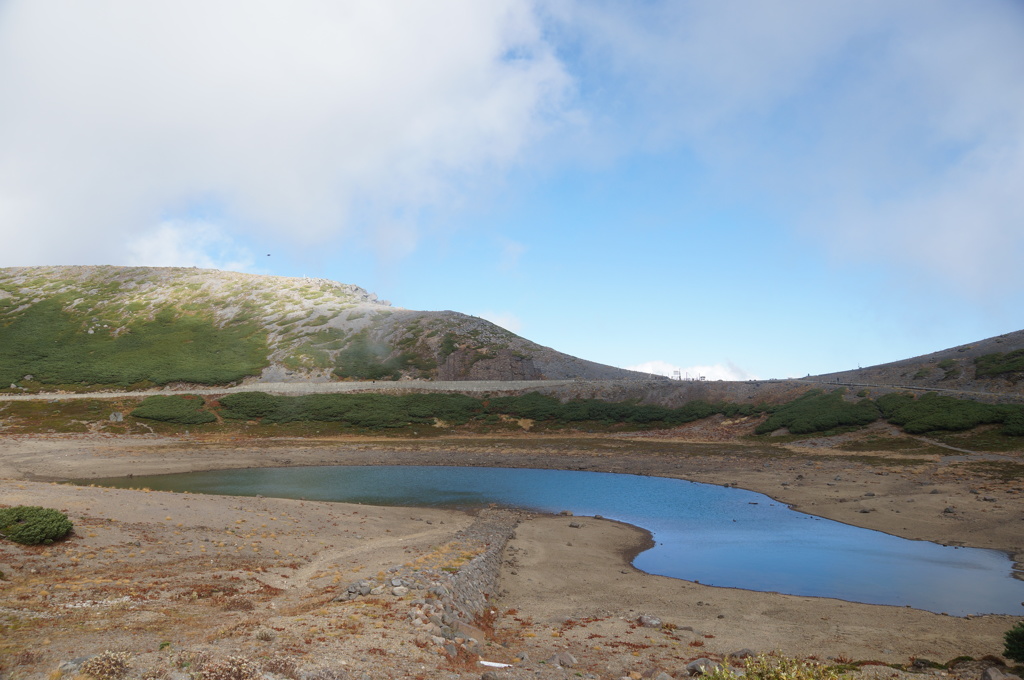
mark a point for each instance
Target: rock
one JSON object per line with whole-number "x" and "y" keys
{"x": 745, "y": 653}
{"x": 566, "y": 513}
{"x": 116, "y": 417}
{"x": 73, "y": 665}
{"x": 577, "y": 525}
{"x": 701, "y": 666}
{"x": 468, "y": 630}
{"x": 949, "y": 510}
{"x": 399, "y": 591}
{"x": 648, "y": 621}
{"x": 562, "y": 658}
{"x": 996, "y": 673}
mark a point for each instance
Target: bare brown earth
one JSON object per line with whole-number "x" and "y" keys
{"x": 173, "y": 578}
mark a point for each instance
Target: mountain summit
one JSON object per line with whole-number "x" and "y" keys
{"x": 143, "y": 326}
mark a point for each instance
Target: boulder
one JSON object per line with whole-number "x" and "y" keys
{"x": 648, "y": 621}
{"x": 562, "y": 658}
{"x": 996, "y": 673}
{"x": 701, "y": 666}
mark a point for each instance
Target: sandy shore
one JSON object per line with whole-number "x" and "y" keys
{"x": 210, "y": 573}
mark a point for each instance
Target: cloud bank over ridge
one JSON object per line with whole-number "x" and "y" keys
{"x": 310, "y": 119}
{"x": 884, "y": 132}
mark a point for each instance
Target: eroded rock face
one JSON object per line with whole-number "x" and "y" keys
{"x": 505, "y": 364}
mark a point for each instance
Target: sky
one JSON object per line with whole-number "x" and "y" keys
{"x": 735, "y": 190}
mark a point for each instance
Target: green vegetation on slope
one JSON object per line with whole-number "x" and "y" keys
{"x": 953, "y": 421}
{"x": 363, "y": 360}
{"x": 814, "y": 412}
{"x": 186, "y": 409}
{"x": 366, "y": 411}
{"x": 818, "y": 411}
{"x": 999, "y": 364}
{"x": 932, "y": 412}
{"x": 47, "y": 343}
{"x": 373, "y": 411}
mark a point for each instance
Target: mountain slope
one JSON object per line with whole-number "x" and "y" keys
{"x": 144, "y": 326}
{"x": 994, "y": 365}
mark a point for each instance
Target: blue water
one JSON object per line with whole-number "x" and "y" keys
{"x": 715, "y": 535}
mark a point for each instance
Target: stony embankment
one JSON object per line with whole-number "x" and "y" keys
{"x": 452, "y": 600}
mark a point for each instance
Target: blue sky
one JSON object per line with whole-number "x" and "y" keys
{"x": 734, "y": 189}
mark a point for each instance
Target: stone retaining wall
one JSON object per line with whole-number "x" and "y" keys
{"x": 444, "y": 607}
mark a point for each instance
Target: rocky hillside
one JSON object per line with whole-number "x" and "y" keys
{"x": 994, "y": 365}
{"x": 145, "y": 326}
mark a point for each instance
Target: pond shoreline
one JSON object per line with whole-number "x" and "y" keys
{"x": 924, "y": 492}
{"x": 552, "y": 572}
{"x": 692, "y": 526}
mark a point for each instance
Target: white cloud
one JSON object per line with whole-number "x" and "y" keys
{"x": 506, "y": 320}
{"x": 888, "y": 131}
{"x": 306, "y": 120}
{"x": 726, "y": 371}
{"x": 892, "y": 132}
{"x": 188, "y": 244}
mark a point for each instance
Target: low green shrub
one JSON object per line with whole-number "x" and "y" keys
{"x": 249, "y": 405}
{"x": 449, "y": 343}
{"x": 365, "y": 360}
{"x": 1015, "y": 643}
{"x": 452, "y": 408}
{"x": 57, "y": 348}
{"x": 374, "y": 411}
{"x": 33, "y": 525}
{"x": 999, "y": 364}
{"x": 185, "y": 409}
{"x": 931, "y": 412}
{"x": 534, "y": 406}
{"x": 1013, "y": 425}
{"x": 819, "y": 411}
